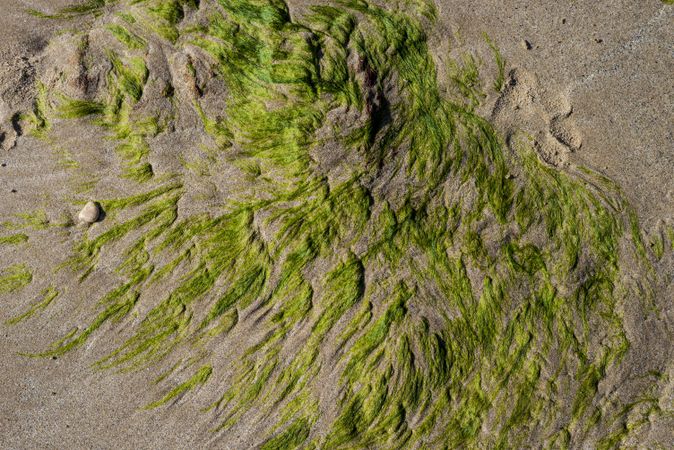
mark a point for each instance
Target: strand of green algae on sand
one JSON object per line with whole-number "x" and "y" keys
{"x": 426, "y": 354}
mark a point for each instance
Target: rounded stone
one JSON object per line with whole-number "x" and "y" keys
{"x": 90, "y": 213}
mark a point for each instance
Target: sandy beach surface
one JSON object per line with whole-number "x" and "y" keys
{"x": 590, "y": 81}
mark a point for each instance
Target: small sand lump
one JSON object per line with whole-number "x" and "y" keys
{"x": 90, "y": 213}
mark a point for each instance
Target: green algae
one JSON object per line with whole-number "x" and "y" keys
{"x": 35, "y": 220}
{"x": 14, "y": 239}
{"x": 125, "y": 85}
{"x": 74, "y": 108}
{"x": 38, "y": 121}
{"x": 292, "y": 437}
{"x": 432, "y": 286}
{"x": 14, "y": 278}
{"x": 128, "y": 38}
{"x": 500, "y": 64}
{"x": 93, "y": 7}
{"x": 198, "y": 379}
{"x": 66, "y": 159}
{"x": 48, "y": 295}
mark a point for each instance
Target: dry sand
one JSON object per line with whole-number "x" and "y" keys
{"x": 596, "y": 89}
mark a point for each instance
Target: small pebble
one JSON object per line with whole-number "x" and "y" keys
{"x": 526, "y": 44}
{"x": 90, "y": 213}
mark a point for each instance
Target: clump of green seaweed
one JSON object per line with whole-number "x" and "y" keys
{"x": 439, "y": 289}
{"x": 15, "y": 277}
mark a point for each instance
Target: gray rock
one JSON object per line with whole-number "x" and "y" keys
{"x": 90, "y": 213}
